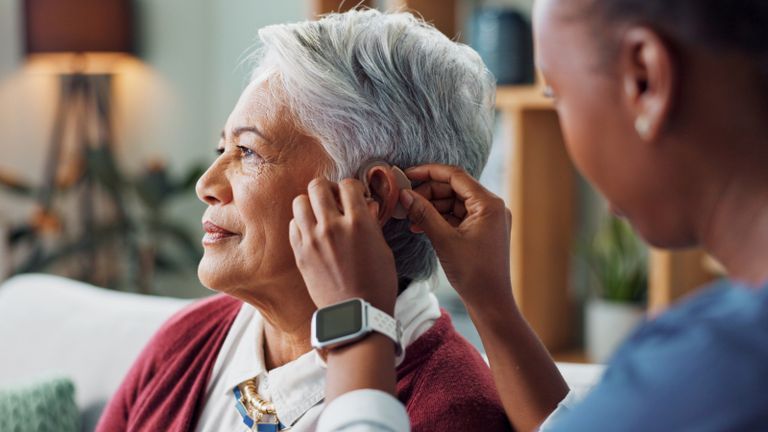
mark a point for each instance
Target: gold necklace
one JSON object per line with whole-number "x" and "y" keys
{"x": 256, "y": 406}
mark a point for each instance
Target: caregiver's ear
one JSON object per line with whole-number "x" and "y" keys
{"x": 384, "y": 188}
{"x": 649, "y": 78}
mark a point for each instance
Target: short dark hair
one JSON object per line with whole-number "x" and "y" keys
{"x": 738, "y": 26}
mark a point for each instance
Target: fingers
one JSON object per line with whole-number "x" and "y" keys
{"x": 353, "y": 197}
{"x": 462, "y": 184}
{"x": 450, "y": 207}
{"x": 302, "y": 213}
{"x": 432, "y": 190}
{"x": 426, "y": 217}
{"x": 323, "y": 200}
{"x": 294, "y": 235}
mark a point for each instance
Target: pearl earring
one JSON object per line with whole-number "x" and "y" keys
{"x": 643, "y": 127}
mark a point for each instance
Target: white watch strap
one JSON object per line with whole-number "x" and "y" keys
{"x": 380, "y": 321}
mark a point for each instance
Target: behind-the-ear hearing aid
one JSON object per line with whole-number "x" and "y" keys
{"x": 402, "y": 183}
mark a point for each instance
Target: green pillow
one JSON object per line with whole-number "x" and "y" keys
{"x": 42, "y": 407}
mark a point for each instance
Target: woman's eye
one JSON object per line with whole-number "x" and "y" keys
{"x": 219, "y": 151}
{"x": 247, "y": 153}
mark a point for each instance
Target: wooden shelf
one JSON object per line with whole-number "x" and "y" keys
{"x": 542, "y": 196}
{"x": 522, "y": 97}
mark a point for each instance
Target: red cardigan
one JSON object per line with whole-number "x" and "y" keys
{"x": 443, "y": 382}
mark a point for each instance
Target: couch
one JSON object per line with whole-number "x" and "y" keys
{"x": 52, "y": 326}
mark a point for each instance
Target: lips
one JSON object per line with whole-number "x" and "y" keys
{"x": 215, "y": 233}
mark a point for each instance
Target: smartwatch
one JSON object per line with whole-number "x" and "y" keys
{"x": 349, "y": 321}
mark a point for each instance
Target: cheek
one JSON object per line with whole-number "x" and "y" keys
{"x": 266, "y": 213}
{"x": 597, "y": 139}
{"x": 265, "y": 210}
{"x": 582, "y": 140}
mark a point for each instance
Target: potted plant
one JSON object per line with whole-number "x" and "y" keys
{"x": 124, "y": 248}
{"x": 618, "y": 263}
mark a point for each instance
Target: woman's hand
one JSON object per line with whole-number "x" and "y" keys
{"x": 469, "y": 227}
{"x": 339, "y": 246}
{"x": 341, "y": 253}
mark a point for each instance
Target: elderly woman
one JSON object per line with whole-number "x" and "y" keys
{"x": 326, "y": 98}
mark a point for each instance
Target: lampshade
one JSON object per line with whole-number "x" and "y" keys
{"x": 80, "y": 26}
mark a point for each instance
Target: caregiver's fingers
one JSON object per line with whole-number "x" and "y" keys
{"x": 432, "y": 190}
{"x": 443, "y": 206}
{"x": 426, "y": 218}
{"x": 323, "y": 199}
{"x": 459, "y": 210}
{"x": 449, "y": 218}
{"x": 450, "y": 206}
{"x": 463, "y": 184}
{"x": 453, "y": 220}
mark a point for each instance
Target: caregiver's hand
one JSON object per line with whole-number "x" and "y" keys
{"x": 339, "y": 246}
{"x": 469, "y": 227}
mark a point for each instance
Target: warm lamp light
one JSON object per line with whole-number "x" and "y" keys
{"x": 86, "y": 36}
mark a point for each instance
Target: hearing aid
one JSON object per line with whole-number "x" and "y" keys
{"x": 400, "y": 178}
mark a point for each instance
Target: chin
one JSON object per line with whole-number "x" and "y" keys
{"x": 210, "y": 275}
{"x": 661, "y": 237}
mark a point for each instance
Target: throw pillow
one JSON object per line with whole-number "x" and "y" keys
{"x": 42, "y": 407}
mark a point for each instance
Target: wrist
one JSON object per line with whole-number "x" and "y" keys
{"x": 367, "y": 363}
{"x": 492, "y": 295}
{"x": 494, "y": 306}
{"x": 373, "y": 343}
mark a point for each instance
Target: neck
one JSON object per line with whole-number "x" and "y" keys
{"x": 287, "y": 313}
{"x": 735, "y": 229}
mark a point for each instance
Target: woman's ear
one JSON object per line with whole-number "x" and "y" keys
{"x": 383, "y": 185}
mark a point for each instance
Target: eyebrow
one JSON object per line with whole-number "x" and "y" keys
{"x": 240, "y": 130}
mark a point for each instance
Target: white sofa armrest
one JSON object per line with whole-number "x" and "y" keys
{"x": 55, "y": 326}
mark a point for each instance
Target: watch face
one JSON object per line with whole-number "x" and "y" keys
{"x": 339, "y": 320}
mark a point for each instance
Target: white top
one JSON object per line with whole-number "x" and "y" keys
{"x": 296, "y": 389}
{"x": 376, "y": 411}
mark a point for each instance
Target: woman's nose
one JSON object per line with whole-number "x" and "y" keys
{"x": 213, "y": 186}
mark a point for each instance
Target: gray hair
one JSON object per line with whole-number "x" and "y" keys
{"x": 370, "y": 85}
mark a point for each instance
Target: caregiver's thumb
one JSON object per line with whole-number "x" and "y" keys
{"x": 425, "y": 217}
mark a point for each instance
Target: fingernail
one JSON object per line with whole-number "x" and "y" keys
{"x": 406, "y": 198}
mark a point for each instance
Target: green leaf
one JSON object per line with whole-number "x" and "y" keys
{"x": 103, "y": 168}
{"x": 617, "y": 259}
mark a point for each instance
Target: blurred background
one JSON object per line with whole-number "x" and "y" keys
{"x": 100, "y": 154}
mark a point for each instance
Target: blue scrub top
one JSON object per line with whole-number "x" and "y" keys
{"x": 701, "y": 366}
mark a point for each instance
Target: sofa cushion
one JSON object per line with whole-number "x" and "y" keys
{"x": 55, "y": 326}
{"x": 48, "y": 406}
